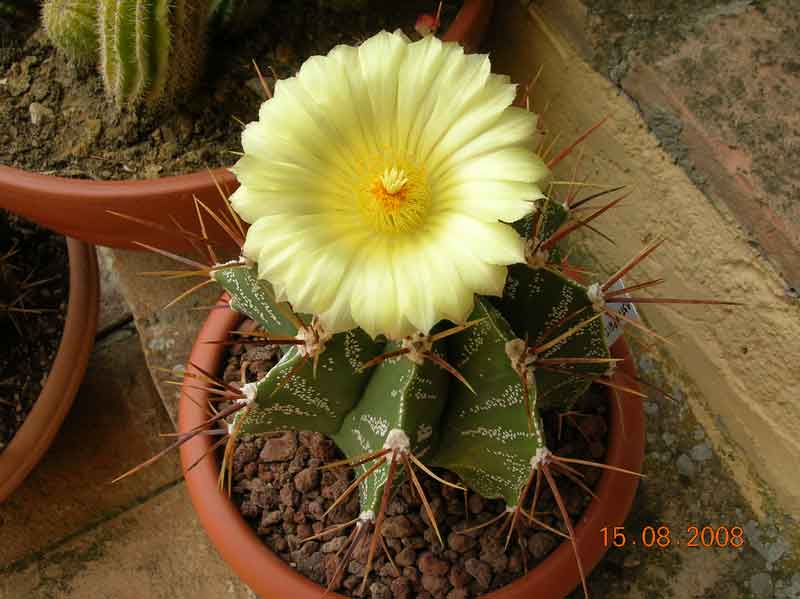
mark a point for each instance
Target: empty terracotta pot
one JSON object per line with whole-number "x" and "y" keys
{"x": 81, "y": 208}
{"x": 271, "y": 578}
{"x": 66, "y": 373}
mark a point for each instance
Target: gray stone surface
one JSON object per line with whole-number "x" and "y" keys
{"x": 154, "y": 550}
{"x": 718, "y": 82}
{"x": 167, "y": 334}
{"x": 69, "y": 533}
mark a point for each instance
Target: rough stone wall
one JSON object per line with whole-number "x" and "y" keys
{"x": 718, "y": 83}
{"x": 737, "y": 363}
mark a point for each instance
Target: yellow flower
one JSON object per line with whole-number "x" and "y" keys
{"x": 378, "y": 182}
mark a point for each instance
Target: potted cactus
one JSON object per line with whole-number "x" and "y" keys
{"x": 403, "y": 256}
{"x": 136, "y": 44}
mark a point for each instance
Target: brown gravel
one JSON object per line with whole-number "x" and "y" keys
{"x": 282, "y": 494}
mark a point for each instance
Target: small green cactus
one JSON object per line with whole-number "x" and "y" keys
{"x": 71, "y": 26}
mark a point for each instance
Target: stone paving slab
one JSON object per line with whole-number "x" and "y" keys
{"x": 155, "y": 550}
{"x": 167, "y": 335}
{"x": 114, "y": 309}
{"x": 114, "y": 425}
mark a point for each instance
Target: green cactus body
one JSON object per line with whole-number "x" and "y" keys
{"x": 485, "y": 438}
{"x": 560, "y": 305}
{"x": 151, "y": 50}
{"x": 71, "y": 25}
{"x": 293, "y": 397}
{"x": 563, "y": 305}
{"x": 402, "y": 395}
{"x": 256, "y": 298}
{"x": 481, "y": 432}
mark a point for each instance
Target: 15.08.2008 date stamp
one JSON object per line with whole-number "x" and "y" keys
{"x": 662, "y": 537}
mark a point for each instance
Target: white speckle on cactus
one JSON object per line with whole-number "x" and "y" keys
{"x": 360, "y": 438}
{"x": 286, "y": 410}
{"x": 379, "y": 426}
{"x": 476, "y": 337}
{"x": 353, "y": 350}
{"x": 511, "y": 396}
{"x": 250, "y": 298}
{"x": 511, "y": 288}
{"x": 497, "y": 433}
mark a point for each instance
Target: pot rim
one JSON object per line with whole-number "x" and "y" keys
{"x": 84, "y": 204}
{"x": 36, "y": 434}
{"x": 269, "y": 576}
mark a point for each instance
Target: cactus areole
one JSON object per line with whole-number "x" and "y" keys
{"x": 403, "y": 255}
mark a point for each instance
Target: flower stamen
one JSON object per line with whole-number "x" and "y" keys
{"x": 396, "y": 199}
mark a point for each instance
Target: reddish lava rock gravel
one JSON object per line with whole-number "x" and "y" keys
{"x": 281, "y": 491}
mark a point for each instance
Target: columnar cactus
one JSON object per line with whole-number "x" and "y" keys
{"x": 151, "y": 50}
{"x": 71, "y": 26}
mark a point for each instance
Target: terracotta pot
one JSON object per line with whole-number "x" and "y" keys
{"x": 40, "y": 427}
{"x": 270, "y": 577}
{"x": 80, "y": 208}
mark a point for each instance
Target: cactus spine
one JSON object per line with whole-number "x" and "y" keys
{"x": 72, "y": 27}
{"x": 151, "y": 50}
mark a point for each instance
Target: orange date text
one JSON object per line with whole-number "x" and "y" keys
{"x": 662, "y": 537}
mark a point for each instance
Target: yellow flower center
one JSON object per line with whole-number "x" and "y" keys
{"x": 394, "y": 198}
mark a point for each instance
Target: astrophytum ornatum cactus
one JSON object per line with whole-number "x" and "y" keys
{"x": 71, "y": 26}
{"x": 403, "y": 256}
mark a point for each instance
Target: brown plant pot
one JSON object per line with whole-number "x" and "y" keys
{"x": 40, "y": 427}
{"x": 80, "y": 208}
{"x": 270, "y": 577}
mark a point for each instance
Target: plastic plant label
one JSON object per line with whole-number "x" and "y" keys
{"x": 614, "y": 326}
